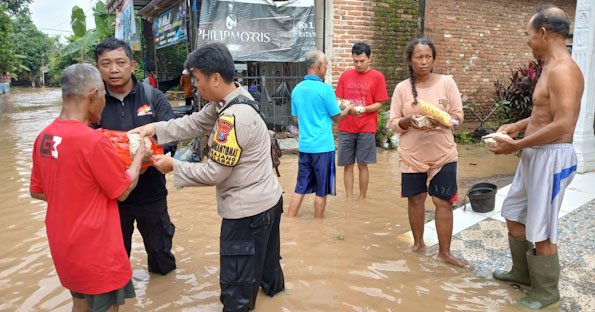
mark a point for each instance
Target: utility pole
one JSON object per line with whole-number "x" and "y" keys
{"x": 43, "y": 69}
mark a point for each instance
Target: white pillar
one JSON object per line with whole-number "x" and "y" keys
{"x": 583, "y": 52}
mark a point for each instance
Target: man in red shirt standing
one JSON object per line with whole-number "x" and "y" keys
{"x": 77, "y": 172}
{"x": 365, "y": 88}
{"x": 151, "y": 79}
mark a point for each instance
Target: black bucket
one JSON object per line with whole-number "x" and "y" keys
{"x": 482, "y": 197}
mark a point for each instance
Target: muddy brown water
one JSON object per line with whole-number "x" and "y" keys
{"x": 353, "y": 260}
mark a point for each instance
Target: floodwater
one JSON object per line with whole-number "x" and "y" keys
{"x": 353, "y": 260}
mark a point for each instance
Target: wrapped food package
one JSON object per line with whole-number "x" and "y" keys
{"x": 423, "y": 121}
{"x": 436, "y": 113}
{"x": 125, "y": 148}
{"x": 134, "y": 141}
{"x": 343, "y": 103}
{"x": 489, "y": 141}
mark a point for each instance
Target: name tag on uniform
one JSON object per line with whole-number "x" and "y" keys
{"x": 225, "y": 149}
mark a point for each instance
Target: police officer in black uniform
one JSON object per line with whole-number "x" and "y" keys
{"x": 130, "y": 104}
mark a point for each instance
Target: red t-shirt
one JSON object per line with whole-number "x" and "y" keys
{"x": 81, "y": 176}
{"x": 152, "y": 81}
{"x": 361, "y": 88}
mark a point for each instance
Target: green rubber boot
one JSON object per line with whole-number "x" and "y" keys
{"x": 520, "y": 271}
{"x": 545, "y": 274}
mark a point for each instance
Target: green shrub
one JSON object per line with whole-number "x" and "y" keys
{"x": 464, "y": 137}
{"x": 383, "y": 131}
{"x": 515, "y": 100}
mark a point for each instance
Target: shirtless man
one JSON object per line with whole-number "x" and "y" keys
{"x": 547, "y": 164}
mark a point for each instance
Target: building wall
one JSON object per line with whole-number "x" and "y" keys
{"x": 386, "y": 25}
{"x": 479, "y": 41}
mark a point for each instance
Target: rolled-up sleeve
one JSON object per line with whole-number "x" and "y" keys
{"x": 454, "y": 98}
{"x": 187, "y": 127}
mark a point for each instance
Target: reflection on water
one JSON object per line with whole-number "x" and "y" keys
{"x": 350, "y": 261}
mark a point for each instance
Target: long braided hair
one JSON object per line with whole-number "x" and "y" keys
{"x": 409, "y": 54}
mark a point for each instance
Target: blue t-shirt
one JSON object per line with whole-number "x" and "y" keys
{"x": 314, "y": 103}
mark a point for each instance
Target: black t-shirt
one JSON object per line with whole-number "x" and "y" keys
{"x": 136, "y": 111}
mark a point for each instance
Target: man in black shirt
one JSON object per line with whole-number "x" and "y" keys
{"x": 130, "y": 104}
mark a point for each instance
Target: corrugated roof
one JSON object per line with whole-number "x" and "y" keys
{"x": 145, "y": 8}
{"x": 157, "y": 7}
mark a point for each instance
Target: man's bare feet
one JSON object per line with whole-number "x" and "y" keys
{"x": 419, "y": 248}
{"x": 448, "y": 258}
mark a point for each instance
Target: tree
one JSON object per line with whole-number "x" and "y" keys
{"x": 7, "y": 58}
{"x": 57, "y": 63}
{"x": 83, "y": 40}
{"x": 78, "y": 21}
{"x": 104, "y": 23}
{"x": 17, "y": 7}
{"x": 32, "y": 47}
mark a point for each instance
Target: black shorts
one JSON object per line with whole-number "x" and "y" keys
{"x": 443, "y": 185}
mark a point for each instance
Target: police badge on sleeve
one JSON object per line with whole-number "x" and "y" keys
{"x": 225, "y": 149}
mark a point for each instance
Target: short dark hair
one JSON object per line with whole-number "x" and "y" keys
{"x": 111, "y": 44}
{"x": 553, "y": 19}
{"x": 212, "y": 58}
{"x": 361, "y": 47}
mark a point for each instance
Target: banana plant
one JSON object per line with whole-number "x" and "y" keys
{"x": 84, "y": 40}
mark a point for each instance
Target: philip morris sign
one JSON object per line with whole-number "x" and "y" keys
{"x": 259, "y": 30}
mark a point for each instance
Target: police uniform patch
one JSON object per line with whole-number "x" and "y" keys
{"x": 225, "y": 149}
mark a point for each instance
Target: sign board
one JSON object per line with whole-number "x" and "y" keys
{"x": 170, "y": 27}
{"x": 126, "y": 28}
{"x": 259, "y": 30}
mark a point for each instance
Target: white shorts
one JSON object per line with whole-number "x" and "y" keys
{"x": 537, "y": 189}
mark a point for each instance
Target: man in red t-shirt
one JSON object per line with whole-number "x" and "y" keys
{"x": 151, "y": 79}
{"x": 76, "y": 170}
{"x": 366, "y": 89}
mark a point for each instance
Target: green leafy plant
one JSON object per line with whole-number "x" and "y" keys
{"x": 514, "y": 101}
{"x": 383, "y": 131}
{"x": 464, "y": 137}
{"x": 78, "y": 22}
{"x": 7, "y": 57}
{"x": 83, "y": 41}
{"x": 32, "y": 49}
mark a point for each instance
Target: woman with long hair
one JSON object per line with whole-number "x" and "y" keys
{"x": 423, "y": 110}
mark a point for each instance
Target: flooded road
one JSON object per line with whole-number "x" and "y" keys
{"x": 352, "y": 260}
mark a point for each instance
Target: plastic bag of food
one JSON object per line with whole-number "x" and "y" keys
{"x": 423, "y": 121}
{"x": 134, "y": 142}
{"x": 489, "y": 141}
{"x": 121, "y": 143}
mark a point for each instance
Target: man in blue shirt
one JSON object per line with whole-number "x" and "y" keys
{"x": 314, "y": 108}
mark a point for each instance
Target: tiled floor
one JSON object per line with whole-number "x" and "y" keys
{"x": 481, "y": 238}
{"x": 578, "y": 193}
